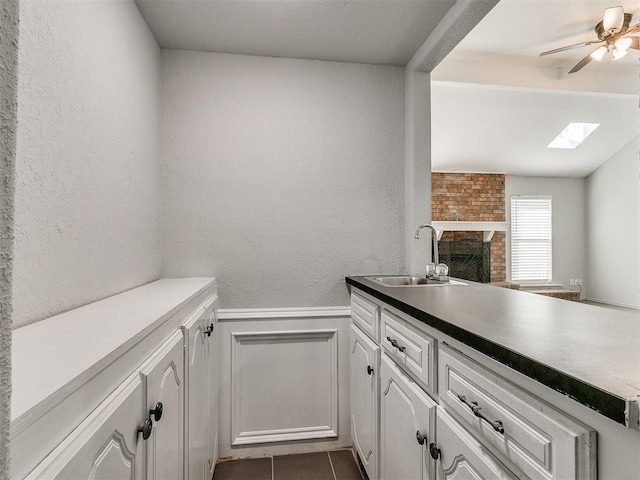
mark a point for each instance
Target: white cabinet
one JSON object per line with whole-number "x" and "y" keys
{"x": 80, "y": 417}
{"x": 406, "y": 425}
{"x": 110, "y": 443}
{"x": 201, "y": 426}
{"x": 366, "y": 315}
{"x": 364, "y": 399}
{"x": 106, "y": 445}
{"x": 410, "y": 348}
{"x": 162, "y": 377}
{"x": 536, "y": 438}
{"x": 459, "y": 456}
{"x": 485, "y": 426}
{"x": 211, "y": 405}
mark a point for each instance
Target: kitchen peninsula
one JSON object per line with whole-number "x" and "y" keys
{"x": 579, "y": 359}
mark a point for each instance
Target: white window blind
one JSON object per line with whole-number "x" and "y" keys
{"x": 530, "y": 239}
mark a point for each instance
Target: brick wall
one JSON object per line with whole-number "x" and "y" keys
{"x": 475, "y": 197}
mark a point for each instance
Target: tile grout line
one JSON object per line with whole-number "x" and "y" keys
{"x": 332, "y": 469}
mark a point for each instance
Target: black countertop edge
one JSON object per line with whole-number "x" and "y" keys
{"x": 603, "y": 402}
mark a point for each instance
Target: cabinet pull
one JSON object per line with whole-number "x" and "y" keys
{"x": 496, "y": 424}
{"x": 394, "y": 344}
{"x": 146, "y": 428}
{"x": 369, "y": 369}
{"x": 157, "y": 412}
{"x": 434, "y": 451}
{"x": 420, "y": 437}
{"x": 209, "y": 330}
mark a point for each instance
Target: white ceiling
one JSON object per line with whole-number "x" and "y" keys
{"x": 493, "y": 91}
{"x": 358, "y": 31}
{"x": 496, "y": 104}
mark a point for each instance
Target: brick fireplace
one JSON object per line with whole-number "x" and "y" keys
{"x": 470, "y": 197}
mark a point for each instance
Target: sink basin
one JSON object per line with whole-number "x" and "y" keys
{"x": 412, "y": 281}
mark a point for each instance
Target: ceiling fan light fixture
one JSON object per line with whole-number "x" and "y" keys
{"x": 622, "y": 44}
{"x": 618, "y": 54}
{"x": 599, "y": 53}
{"x": 613, "y": 19}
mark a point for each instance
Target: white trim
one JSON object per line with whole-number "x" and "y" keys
{"x": 235, "y": 314}
{"x": 271, "y": 339}
{"x": 613, "y": 304}
{"x": 488, "y": 228}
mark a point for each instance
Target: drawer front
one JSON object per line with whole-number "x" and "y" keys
{"x": 365, "y": 314}
{"x": 541, "y": 441}
{"x": 410, "y": 348}
{"x": 462, "y": 456}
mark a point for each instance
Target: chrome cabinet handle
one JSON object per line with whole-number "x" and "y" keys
{"x": 394, "y": 344}
{"x": 496, "y": 424}
{"x": 146, "y": 428}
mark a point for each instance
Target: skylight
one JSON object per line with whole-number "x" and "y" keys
{"x": 573, "y": 135}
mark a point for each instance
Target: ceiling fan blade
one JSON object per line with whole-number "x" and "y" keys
{"x": 633, "y": 29}
{"x": 581, "y": 63}
{"x": 613, "y": 19}
{"x": 569, "y": 47}
{"x": 635, "y": 43}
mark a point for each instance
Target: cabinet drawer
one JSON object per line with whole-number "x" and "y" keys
{"x": 365, "y": 314}
{"x": 541, "y": 441}
{"x": 460, "y": 455}
{"x": 410, "y": 348}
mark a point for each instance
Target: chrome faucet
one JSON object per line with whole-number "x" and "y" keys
{"x": 434, "y": 249}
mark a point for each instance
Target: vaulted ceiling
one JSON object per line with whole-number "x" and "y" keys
{"x": 496, "y": 104}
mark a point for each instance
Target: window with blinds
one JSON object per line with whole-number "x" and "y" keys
{"x": 531, "y": 239}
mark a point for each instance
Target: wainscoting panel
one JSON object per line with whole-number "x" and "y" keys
{"x": 282, "y": 380}
{"x": 284, "y": 386}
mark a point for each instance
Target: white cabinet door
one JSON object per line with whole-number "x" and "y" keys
{"x": 211, "y": 407}
{"x": 364, "y": 399}
{"x": 406, "y": 420}
{"x": 460, "y": 456}
{"x": 196, "y": 390}
{"x": 162, "y": 376}
{"x": 106, "y": 445}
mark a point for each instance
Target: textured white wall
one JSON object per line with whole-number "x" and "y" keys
{"x": 281, "y": 176}
{"x": 568, "y": 227}
{"x": 88, "y": 190}
{"x": 612, "y": 226}
{"x": 8, "y": 120}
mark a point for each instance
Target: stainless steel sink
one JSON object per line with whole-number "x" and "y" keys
{"x": 412, "y": 281}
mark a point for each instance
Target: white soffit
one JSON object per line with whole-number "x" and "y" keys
{"x": 357, "y": 31}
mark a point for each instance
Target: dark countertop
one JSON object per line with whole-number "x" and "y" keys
{"x": 591, "y": 354}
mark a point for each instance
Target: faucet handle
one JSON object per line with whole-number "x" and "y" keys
{"x": 431, "y": 269}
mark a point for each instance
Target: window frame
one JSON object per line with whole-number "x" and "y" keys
{"x": 513, "y": 226}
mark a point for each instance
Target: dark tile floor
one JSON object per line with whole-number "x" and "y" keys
{"x": 332, "y": 465}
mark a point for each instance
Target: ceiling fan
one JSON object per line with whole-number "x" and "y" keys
{"x": 614, "y": 35}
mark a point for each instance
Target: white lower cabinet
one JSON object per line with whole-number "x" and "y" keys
{"x": 201, "y": 427}
{"x": 406, "y": 420}
{"x": 364, "y": 399}
{"x": 135, "y": 433}
{"x": 211, "y": 406}
{"x": 162, "y": 377}
{"x": 460, "y": 456}
{"x": 443, "y": 415}
{"x": 106, "y": 445}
